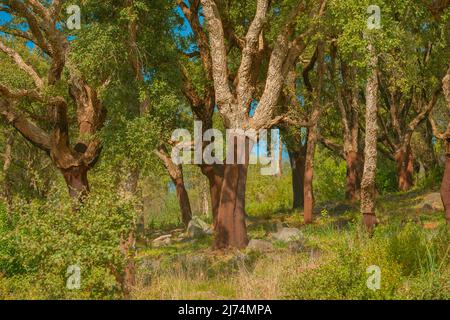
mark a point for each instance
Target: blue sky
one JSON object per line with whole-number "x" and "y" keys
{"x": 184, "y": 31}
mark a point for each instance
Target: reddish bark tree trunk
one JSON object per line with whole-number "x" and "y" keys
{"x": 77, "y": 181}
{"x": 231, "y": 230}
{"x": 445, "y": 187}
{"x": 405, "y": 168}
{"x": 353, "y": 184}
{"x": 214, "y": 173}
{"x": 183, "y": 200}
{"x": 297, "y": 161}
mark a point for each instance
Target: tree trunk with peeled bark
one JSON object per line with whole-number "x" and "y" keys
{"x": 353, "y": 176}
{"x": 214, "y": 173}
{"x": 231, "y": 230}
{"x": 405, "y": 168}
{"x": 183, "y": 199}
{"x": 368, "y": 191}
{"x": 344, "y": 79}
{"x": 315, "y": 95}
{"x": 234, "y": 98}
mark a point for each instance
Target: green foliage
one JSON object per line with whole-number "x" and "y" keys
{"x": 413, "y": 263}
{"x": 48, "y": 237}
{"x": 329, "y": 176}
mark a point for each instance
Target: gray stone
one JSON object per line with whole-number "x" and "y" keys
{"x": 162, "y": 241}
{"x": 288, "y": 234}
{"x": 432, "y": 201}
{"x": 260, "y": 245}
{"x": 295, "y": 246}
{"x": 198, "y": 228}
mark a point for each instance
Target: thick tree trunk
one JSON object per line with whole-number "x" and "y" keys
{"x": 353, "y": 183}
{"x": 231, "y": 230}
{"x": 183, "y": 200}
{"x": 368, "y": 191}
{"x": 309, "y": 175}
{"x": 445, "y": 186}
{"x": 214, "y": 173}
{"x": 297, "y": 161}
{"x": 77, "y": 181}
{"x": 405, "y": 168}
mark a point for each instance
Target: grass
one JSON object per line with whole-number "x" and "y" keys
{"x": 410, "y": 247}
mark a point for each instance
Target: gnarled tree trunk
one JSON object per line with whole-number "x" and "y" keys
{"x": 77, "y": 181}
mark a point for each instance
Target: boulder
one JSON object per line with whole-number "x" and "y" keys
{"x": 432, "y": 201}
{"x": 288, "y": 235}
{"x": 260, "y": 245}
{"x": 296, "y": 246}
{"x": 198, "y": 228}
{"x": 162, "y": 241}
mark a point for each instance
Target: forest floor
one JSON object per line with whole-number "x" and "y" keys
{"x": 329, "y": 261}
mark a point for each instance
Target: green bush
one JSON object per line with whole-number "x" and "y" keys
{"x": 48, "y": 237}
{"x": 413, "y": 263}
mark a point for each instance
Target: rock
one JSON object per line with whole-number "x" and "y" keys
{"x": 295, "y": 246}
{"x": 260, "y": 245}
{"x": 198, "y": 228}
{"x": 288, "y": 234}
{"x": 432, "y": 201}
{"x": 162, "y": 241}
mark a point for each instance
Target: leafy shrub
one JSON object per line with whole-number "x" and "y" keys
{"x": 48, "y": 237}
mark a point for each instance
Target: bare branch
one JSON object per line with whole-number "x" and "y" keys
{"x": 244, "y": 87}
{"x": 22, "y": 64}
{"x": 26, "y": 127}
{"x": 223, "y": 93}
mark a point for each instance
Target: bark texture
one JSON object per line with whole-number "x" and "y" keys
{"x": 231, "y": 230}
{"x": 234, "y": 94}
{"x": 368, "y": 192}
{"x": 405, "y": 168}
